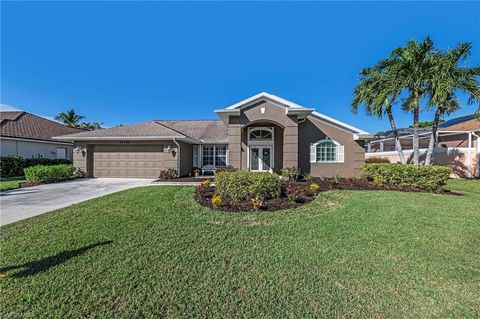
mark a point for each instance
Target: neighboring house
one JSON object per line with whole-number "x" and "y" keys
{"x": 458, "y": 145}
{"x": 261, "y": 133}
{"x": 27, "y": 135}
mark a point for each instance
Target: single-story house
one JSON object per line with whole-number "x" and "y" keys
{"x": 261, "y": 133}
{"x": 30, "y": 136}
{"x": 458, "y": 145}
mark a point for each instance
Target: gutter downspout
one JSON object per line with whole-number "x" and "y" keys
{"x": 478, "y": 152}
{"x": 178, "y": 157}
{"x": 469, "y": 154}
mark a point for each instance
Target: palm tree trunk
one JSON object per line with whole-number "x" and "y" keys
{"x": 416, "y": 150}
{"x": 398, "y": 145}
{"x": 433, "y": 137}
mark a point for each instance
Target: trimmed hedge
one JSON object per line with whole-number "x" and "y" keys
{"x": 12, "y": 166}
{"x": 242, "y": 185}
{"x": 429, "y": 178}
{"x": 49, "y": 173}
{"x": 377, "y": 159}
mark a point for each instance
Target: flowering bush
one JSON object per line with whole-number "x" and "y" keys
{"x": 291, "y": 173}
{"x": 216, "y": 200}
{"x": 168, "y": 173}
{"x": 257, "y": 203}
{"x": 314, "y": 187}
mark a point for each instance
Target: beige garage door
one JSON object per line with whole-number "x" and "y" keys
{"x": 137, "y": 161}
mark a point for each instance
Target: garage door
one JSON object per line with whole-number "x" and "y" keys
{"x": 127, "y": 161}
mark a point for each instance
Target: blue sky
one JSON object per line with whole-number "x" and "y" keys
{"x": 125, "y": 62}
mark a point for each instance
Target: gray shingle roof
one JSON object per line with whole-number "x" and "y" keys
{"x": 207, "y": 130}
{"x": 150, "y": 129}
{"x": 204, "y": 130}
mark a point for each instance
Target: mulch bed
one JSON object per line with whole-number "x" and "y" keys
{"x": 186, "y": 179}
{"x": 203, "y": 195}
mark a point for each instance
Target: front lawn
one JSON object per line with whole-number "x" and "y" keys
{"x": 11, "y": 183}
{"x": 154, "y": 252}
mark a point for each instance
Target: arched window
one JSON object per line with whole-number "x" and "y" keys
{"x": 260, "y": 134}
{"x": 326, "y": 151}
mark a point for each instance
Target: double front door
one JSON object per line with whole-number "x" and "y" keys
{"x": 261, "y": 159}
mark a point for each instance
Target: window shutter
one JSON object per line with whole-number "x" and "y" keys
{"x": 313, "y": 153}
{"x": 195, "y": 156}
{"x": 340, "y": 154}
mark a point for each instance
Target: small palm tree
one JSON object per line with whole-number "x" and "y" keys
{"x": 412, "y": 67}
{"x": 69, "y": 118}
{"x": 378, "y": 92}
{"x": 447, "y": 79}
{"x": 91, "y": 126}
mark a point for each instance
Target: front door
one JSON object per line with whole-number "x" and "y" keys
{"x": 261, "y": 159}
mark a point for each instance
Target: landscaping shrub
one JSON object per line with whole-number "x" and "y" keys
{"x": 49, "y": 173}
{"x": 45, "y": 161}
{"x": 314, "y": 187}
{"x": 429, "y": 178}
{"x": 228, "y": 168}
{"x": 216, "y": 200}
{"x": 291, "y": 173}
{"x": 168, "y": 174}
{"x": 257, "y": 203}
{"x": 297, "y": 193}
{"x": 12, "y": 166}
{"x": 377, "y": 159}
{"x": 240, "y": 185}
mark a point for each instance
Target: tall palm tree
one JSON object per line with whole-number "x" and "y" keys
{"x": 412, "y": 67}
{"x": 447, "y": 79}
{"x": 69, "y": 118}
{"x": 378, "y": 92}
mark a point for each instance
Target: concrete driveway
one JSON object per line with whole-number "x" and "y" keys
{"x": 26, "y": 202}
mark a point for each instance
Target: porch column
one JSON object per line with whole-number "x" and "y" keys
{"x": 235, "y": 145}
{"x": 290, "y": 146}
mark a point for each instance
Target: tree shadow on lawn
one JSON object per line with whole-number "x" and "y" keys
{"x": 38, "y": 266}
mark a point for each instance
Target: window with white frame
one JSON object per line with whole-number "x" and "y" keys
{"x": 215, "y": 155}
{"x": 260, "y": 134}
{"x": 220, "y": 155}
{"x": 327, "y": 151}
{"x": 208, "y": 155}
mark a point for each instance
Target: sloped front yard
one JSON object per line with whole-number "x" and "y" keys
{"x": 154, "y": 252}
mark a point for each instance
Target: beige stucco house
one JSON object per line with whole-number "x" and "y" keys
{"x": 262, "y": 133}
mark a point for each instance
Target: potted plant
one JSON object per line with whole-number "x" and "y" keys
{"x": 196, "y": 172}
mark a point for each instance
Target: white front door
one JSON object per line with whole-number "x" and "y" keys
{"x": 261, "y": 159}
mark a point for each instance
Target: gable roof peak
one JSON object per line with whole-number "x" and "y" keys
{"x": 267, "y": 97}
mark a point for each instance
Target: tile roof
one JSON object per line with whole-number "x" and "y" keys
{"x": 29, "y": 126}
{"x": 10, "y": 116}
{"x": 461, "y": 123}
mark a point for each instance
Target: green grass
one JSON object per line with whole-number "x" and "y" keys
{"x": 11, "y": 183}
{"x": 153, "y": 252}
{"x": 465, "y": 185}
